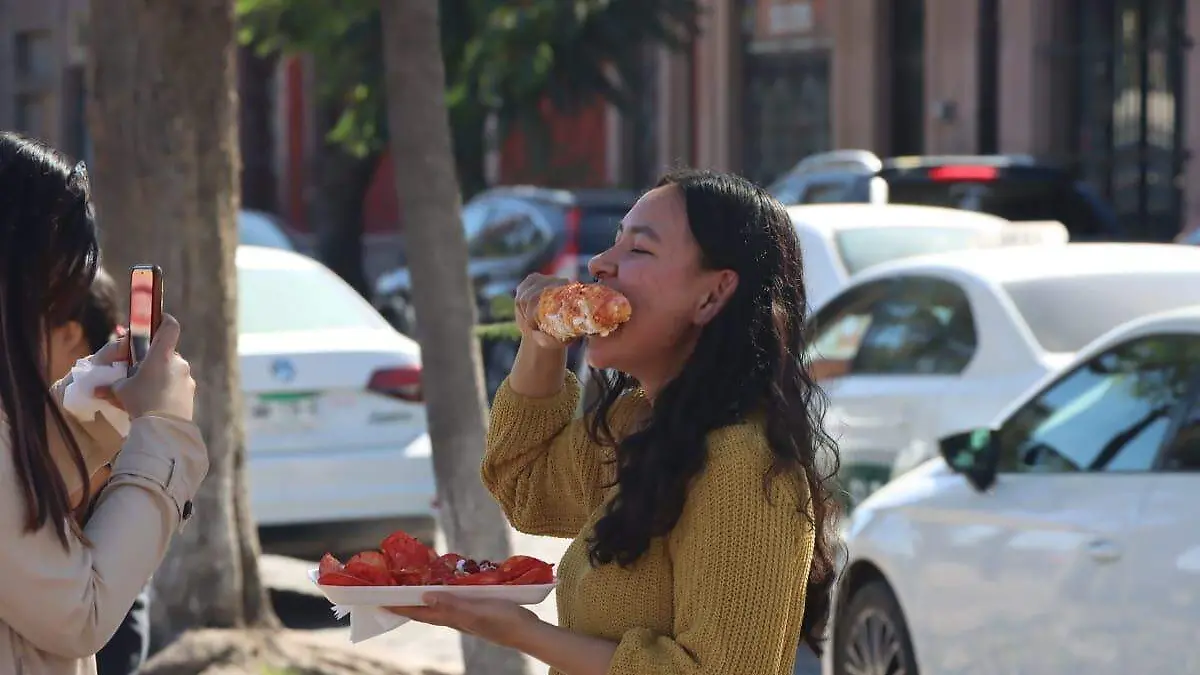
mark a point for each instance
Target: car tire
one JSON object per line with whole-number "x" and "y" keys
{"x": 872, "y": 636}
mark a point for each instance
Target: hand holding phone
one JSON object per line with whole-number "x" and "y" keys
{"x": 145, "y": 311}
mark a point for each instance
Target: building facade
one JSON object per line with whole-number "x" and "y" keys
{"x": 1110, "y": 88}
{"x": 42, "y": 71}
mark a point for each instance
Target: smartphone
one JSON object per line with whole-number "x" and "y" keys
{"x": 145, "y": 311}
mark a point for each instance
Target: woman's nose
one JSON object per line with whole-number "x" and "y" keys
{"x": 601, "y": 266}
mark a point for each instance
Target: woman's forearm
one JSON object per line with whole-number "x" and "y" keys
{"x": 566, "y": 651}
{"x": 537, "y": 371}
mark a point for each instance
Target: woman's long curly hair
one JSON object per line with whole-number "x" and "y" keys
{"x": 751, "y": 357}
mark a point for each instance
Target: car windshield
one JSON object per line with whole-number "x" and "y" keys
{"x": 1098, "y": 304}
{"x": 279, "y": 300}
{"x": 255, "y": 230}
{"x": 864, "y": 247}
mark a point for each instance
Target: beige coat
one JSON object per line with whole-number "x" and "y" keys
{"x": 58, "y": 607}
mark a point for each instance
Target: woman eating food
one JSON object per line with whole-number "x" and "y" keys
{"x": 696, "y": 489}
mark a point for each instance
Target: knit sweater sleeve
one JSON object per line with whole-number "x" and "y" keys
{"x": 741, "y": 571}
{"x": 540, "y": 464}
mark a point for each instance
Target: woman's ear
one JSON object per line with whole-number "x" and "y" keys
{"x": 720, "y": 290}
{"x": 67, "y": 337}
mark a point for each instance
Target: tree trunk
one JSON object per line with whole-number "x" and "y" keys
{"x": 427, "y": 188}
{"x": 470, "y": 150}
{"x": 163, "y": 118}
{"x": 337, "y": 213}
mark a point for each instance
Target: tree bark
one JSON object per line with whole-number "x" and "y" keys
{"x": 337, "y": 213}
{"x": 427, "y": 188}
{"x": 163, "y": 118}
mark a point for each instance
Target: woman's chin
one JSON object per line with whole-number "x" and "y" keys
{"x": 601, "y": 351}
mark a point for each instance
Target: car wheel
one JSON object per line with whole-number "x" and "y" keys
{"x": 498, "y": 363}
{"x": 872, "y": 637}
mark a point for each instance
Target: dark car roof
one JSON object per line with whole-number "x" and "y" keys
{"x": 584, "y": 197}
{"x": 1012, "y": 165}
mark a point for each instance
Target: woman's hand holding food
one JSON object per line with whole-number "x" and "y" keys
{"x": 529, "y": 293}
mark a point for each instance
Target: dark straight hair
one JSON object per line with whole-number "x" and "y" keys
{"x": 48, "y": 258}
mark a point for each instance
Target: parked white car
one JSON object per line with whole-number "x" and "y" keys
{"x": 918, "y": 347}
{"x": 839, "y": 241}
{"x": 1060, "y": 537}
{"x": 335, "y": 418}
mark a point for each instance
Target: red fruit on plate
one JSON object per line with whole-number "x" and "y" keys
{"x": 340, "y": 579}
{"x": 329, "y": 564}
{"x": 374, "y": 575}
{"x": 519, "y": 565}
{"x": 479, "y": 579}
{"x": 406, "y": 552}
{"x": 370, "y": 559}
{"x": 535, "y": 576}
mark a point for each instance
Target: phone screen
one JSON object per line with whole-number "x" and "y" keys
{"x": 141, "y": 313}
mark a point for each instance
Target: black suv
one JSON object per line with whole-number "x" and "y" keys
{"x": 1013, "y": 187}
{"x": 512, "y": 232}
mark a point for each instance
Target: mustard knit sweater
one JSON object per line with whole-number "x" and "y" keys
{"x": 721, "y": 593}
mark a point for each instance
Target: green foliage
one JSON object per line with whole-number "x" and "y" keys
{"x": 569, "y": 51}
{"x": 345, "y": 41}
{"x": 502, "y": 307}
{"x": 501, "y": 55}
{"x": 498, "y": 331}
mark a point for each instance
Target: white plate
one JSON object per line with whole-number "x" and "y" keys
{"x": 410, "y": 596}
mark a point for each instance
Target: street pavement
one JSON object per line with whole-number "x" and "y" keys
{"x": 436, "y": 649}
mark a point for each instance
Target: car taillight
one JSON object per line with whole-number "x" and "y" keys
{"x": 565, "y": 263}
{"x": 948, "y": 173}
{"x": 403, "y": 383}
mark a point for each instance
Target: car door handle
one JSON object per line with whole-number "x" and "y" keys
{"x": 1103, "y": 550}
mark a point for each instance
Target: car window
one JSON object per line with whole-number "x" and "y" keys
{"x": 924, "y": 327}
{"x": 788, "y": 189}
{"x": 279, "y": 300}
{"x": 1183, "y": 451}
{"x": 598, "y": 228}
{"x": 508, "y": 232}
{"x": 864, "y": 247}
{"x": 826, "y": 192}
{"x": 838, "y": 329}
{"x": 1109, "y": 414}
{"x": 257, "y": 230}
{"x": 474, "y": 215}
{"x": 1098, "y": 302}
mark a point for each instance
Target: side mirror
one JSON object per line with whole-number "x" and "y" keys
{"x": 974, "y": 454}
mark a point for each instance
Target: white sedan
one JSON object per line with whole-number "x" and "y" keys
{"x": 1060, "y": 537}
{"x": 917, "y": 347}
{"x": 335, "y": 418}
{"x": 838, "y": 241}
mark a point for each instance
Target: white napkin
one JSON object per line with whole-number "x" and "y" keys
{"x": 367, "y": 622}
{"x": 80, "y": 399}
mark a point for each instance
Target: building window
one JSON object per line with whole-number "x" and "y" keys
{"x": 74, "y": 114}
{"x": 907, "y": 38}
{"x": 31, "y": 115}
{"x": 34, "y": 54}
